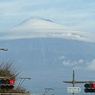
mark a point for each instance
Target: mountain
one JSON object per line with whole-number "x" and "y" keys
{"x": 37, "y": 23}
{"x": 48, "y": 52}
{"x": 44, "y": 28}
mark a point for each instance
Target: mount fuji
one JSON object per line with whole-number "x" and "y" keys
{"x": 48, "y": 52}
{"x": 44, "y": 28}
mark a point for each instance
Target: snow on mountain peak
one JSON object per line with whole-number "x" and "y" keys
{"x": 35, "y": 27}
{"x": 37, "y": 23}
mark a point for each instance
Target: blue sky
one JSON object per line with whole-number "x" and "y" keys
{"x": 76, "y": 14}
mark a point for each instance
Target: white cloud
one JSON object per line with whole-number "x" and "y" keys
{"x": 62, "y": 57}
{"x": 91, "y": 65}
{"x": 67, "y": 63}
{"x": 81, "y": 61}
{"x": 80, "y": 64}
{"x": 73, "y": 63}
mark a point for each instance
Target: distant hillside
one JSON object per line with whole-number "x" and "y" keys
{"x": 48, "y": 49}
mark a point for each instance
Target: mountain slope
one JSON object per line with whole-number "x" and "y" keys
{"x": 50, "y": 50}
{"x": 49, "y": 61}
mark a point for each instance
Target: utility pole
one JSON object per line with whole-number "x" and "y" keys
{"x": 73, "y": 82}
{"x": 22, "y": 80}
{"x": 47, "y": 90}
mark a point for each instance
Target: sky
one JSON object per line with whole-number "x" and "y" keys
{"x": 76, "y": 14}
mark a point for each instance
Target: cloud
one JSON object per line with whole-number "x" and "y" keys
{"x": 91, "y": 65}
{"x": 80, "y": 64}
{"x": 74, "y": 63}
{"x": 62, "y": 57}
{"x": 68, "y": 63}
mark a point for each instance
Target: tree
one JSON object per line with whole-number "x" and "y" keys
{"x": 8, "y": 70}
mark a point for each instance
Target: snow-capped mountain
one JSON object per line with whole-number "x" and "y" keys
{"x": 49, "y": 54}
{"x": 44, "y": 28}
{"x": 37, "y": 23}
